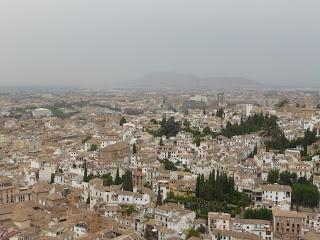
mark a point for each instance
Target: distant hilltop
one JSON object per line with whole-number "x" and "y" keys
{"x": 181, "y": 81}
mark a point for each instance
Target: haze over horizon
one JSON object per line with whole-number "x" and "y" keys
{"x": 101, "y": 43}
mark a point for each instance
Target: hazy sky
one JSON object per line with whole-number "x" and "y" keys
{"x": 102, "y": 41}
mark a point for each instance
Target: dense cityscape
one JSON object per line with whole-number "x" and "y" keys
{"x": 155, "y": 165}
{"x": 159, "y": 120}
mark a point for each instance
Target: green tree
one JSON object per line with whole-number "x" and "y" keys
{"x": 281, "y": 103}
{"x": 262, "y": 213}
{"x": 220, "y": 113}
{"x": 170, "y": 195}
{"x": 186, "y": 123}
{"x": 152, "y": 120}
{"x": 192, "y": 233}
{"x": 168, "y": 165}
{"x": 122, "y": 121}
{"x": 254, "y": 152}
{"x": 56, "y": 112}
{"x": 87, "y": 138}
{"x": 207, "y": 131}
{"x": 217, "y": 187}
{"x": 117, "y": 180}
{"x": 198, "y": 186}
{"x": 90, "y": 177}
{"x": 52, "y": 178}
{"x": 169, "y": 128}
{"x": 306, "y": 195}
{"x": 130, "y": 210}
{"x": 161, "y": 142}
{"x": 93, "y": 147}
{"x": 127, "y": 184}
{"x": 273, "y": 176}
{"x": 85, "y": 174}
{"x": 159, "y": 197}
{"x": 303, "y": 180}
{"x": 286, "y": 178}
{"x": 107, "y": 179}
{"x": 197, "y": 141}
{"x": 134, "y": 149}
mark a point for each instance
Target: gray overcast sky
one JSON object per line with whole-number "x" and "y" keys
{"x": 102, "y": 41}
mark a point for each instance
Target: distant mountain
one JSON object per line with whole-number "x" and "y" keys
{"x": 180, "y": 81}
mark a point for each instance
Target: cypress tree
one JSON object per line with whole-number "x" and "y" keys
{"x": 159, "y": 197}
{"x": 52, "y": 178}
{"x": 202, "y": 186}
{"x": 117, "y": 180}
{"x": 214, "y": 185}
{"x": 85, "y": 175}
{"x": 198, "y": 186}
{"x": 134, "y": 149}
{"x": 127, "y": 184}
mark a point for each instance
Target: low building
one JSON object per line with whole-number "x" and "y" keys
{"x": 41, "y": 112}
{"x": 287, "y": 224}
{"x": 223, "y": 222}
{"x": 174, "y": 217}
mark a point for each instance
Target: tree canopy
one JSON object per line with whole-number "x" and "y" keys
{"x": 282, "y": 103}
{"x": 93, "y": 147}
{"x": 127, "y": 183}
{"x": 122, "y": 121}
{"x": 273, "y": 176}
{"x": 217, "y": 187}
{"x": 107, "y": 179}
{"x": 154, "y": 121}
{"x": 169, "y": 127}
{"x": 168, "y": 165}
{"x": 283, "y": 178}
{"x": 281, "y": 143}
{"x": 117, "y": 180}
{"x": 306, "y": 195}
{"x": 220, "y": 113}
{"x": 262, "y": 213}
{"x": 254, "y": 123}
{"x": 192, "y": 233}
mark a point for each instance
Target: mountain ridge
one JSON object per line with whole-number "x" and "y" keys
{"x": 187, "y": 81}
